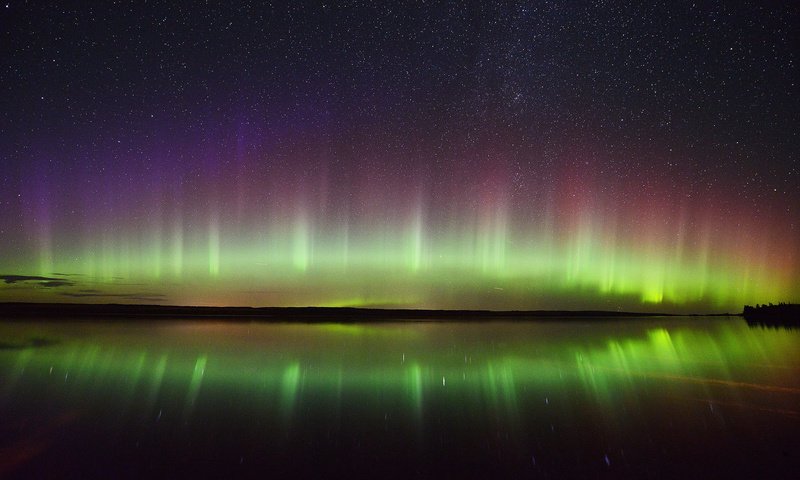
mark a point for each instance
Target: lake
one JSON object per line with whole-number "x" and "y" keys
{"x": 635, "y": 397}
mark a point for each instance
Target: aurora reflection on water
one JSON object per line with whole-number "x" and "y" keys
{"x": 625, "y": 397}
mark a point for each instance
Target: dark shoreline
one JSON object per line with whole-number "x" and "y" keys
{"x": 56, "y": 311}
{"x": 782, "y": 315}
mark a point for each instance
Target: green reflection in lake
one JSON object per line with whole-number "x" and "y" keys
{"x": 543, "y": 396}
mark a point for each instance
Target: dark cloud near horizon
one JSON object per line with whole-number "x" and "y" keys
{"x": 32, "y": 281}
{"x": 144, "y": 296}
{"x": 48, "y": 282}
{"x": 57, "y": 283}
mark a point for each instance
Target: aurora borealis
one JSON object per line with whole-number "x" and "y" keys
{"x": 534, "y": 156}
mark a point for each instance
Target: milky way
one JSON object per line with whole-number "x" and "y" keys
{"x": 581, "y": 156}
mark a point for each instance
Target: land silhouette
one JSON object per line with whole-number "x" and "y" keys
{"x": 782, "y": 314}
{"x": 71, "y": 311}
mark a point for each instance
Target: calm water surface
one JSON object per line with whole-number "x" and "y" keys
{"x": 638, "y": 398}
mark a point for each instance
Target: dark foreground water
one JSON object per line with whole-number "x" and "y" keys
{"x": 638, "y": 398}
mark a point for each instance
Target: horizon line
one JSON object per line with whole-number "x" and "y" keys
{"x": 270, "y": 311}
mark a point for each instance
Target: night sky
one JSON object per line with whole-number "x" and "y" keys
{"x": 541, "y": 155}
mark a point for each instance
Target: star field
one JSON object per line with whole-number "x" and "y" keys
{"x": 444, "y": 155}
